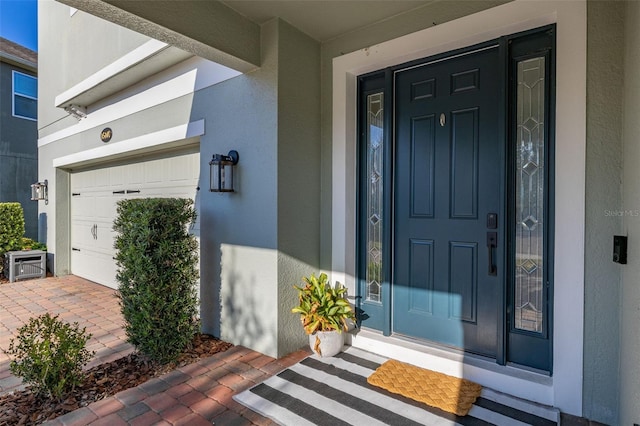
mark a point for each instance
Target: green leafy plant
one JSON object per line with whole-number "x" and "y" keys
{"x": 157, "y": 274}
{"x": 11, "y": 229}
{"x": 29, "y": 244}
{"x": 49, "y": 355}
{"x": 322, "y": 307}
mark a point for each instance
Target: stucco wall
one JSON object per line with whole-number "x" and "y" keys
{"x": 18, "y": 153}
{"x": 605, "y": 48}
{"x": 630, "y": 292}
{"x": 298, "y": 174}
{"x": 263, "y": 238}
{"x": 239, "y": 231}
{"x": 255, "y": 243}
{"x": 76, "y": 47}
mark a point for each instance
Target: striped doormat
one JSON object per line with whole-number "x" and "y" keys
{"x": 334, "y": 392}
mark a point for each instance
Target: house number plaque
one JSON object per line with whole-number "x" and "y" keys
{"x": 106, "y": 134}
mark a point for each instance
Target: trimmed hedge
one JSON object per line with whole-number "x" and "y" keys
{"x": 11, "y": 227}
{"x": 157, "y": 258}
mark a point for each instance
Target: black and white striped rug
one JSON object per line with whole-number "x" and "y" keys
{"x": 334, "y": 392}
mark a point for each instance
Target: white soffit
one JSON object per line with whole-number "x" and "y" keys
{"x": 148, "y": 59}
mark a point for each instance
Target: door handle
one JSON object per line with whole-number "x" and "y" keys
{"x": 492, "y": 243}
{"x": 95, "y": 233}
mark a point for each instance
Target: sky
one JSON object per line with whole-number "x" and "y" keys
{"x": 19, "y": 22}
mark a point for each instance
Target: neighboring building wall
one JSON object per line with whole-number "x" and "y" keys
{"x": 605, "y": 51}
{"x": 18, "y": 152}
{"x": 630, "y": 292}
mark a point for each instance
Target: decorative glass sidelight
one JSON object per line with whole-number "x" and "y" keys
{"x": 374, "y": 188}
{"x": 530, "y": 196}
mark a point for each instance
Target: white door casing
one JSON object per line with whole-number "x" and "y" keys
{"x": 564, "y": 389}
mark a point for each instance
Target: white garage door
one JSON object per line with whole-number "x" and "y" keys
{"x": 94, "y": 194}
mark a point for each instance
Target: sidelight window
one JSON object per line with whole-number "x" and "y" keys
{"x": 374, "y": 195}
{"x": 529, "y": 292}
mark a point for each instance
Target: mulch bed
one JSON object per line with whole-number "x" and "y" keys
{"x": 27, "y": 408}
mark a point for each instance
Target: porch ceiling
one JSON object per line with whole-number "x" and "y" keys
{"x": 228, "y": 32}
{"x": 324, "y": 19}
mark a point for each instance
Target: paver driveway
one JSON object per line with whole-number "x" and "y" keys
{"x": 93, "y": 306}
{"x": 199, "y": 393}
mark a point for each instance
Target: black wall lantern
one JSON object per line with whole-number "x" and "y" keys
{"x": 221, "y": 172}
{"x": 40, "y": 191}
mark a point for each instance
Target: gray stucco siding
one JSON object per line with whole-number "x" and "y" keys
{"x": 18, "y": 152}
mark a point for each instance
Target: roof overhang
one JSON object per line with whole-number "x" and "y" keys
{"x": 148, "y": 59}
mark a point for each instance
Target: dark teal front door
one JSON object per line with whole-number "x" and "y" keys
{"x": 448, "y": 219}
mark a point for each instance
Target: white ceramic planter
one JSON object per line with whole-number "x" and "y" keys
{"x": 330, "y": 343}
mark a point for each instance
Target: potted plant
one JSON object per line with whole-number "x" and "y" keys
{"x": 324, "y": 312}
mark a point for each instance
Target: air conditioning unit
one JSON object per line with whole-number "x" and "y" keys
{"x": 21, "y": 265}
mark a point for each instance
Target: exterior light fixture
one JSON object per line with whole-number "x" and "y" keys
{"x": 40, "y": 191}
{"x": 221, "y": 172}
{"x": 78, "y": 111}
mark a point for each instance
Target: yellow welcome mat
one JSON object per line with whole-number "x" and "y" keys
{"x": 432, "y": 388}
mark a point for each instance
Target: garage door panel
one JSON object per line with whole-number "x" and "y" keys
{"x": 182, "y": 170}
{"x": 154, "y": 171}
{"x": 102, "y": 178}
{"x": 83, "y": 208}
{"x": 134, "y": 175}
{"x": 118, "y": 177}
{"x": 96, "y": 267}
{"x": 81, "y": 232}
{"x": 105, "y": 207}
{"x": 93, "y": 211}
{"x": 105, "y": 238}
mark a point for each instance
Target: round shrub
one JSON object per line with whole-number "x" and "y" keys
{"x": 157, "y": 274}
{"x": 49, "y": 355}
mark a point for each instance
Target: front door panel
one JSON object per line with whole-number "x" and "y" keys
{"x": 448, "y": 279}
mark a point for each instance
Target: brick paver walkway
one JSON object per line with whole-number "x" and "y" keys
{"x": 200, "y": 393}
{"x": 93, "y": 306}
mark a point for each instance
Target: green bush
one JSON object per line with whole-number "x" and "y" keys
{"x": 11, "y": 227}
{"x": 29, "y": 244}
{"x": 157, "y": 258}
{"x": 49, "y": 355}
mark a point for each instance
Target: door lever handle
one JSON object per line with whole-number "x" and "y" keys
{"x": 492, "y": 243}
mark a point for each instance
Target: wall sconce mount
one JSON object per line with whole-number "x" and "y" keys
{"x": 221, "y": 171}
{"x": 78, "y": 111}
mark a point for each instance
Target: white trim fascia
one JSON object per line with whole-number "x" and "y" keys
{"x": 144, "y": 142}
{"x": 520, "y": 15}
{"x": 136, "y": 56}
{"x": 182, "y": 79}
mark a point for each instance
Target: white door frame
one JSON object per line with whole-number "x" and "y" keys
{"x": 564, "y": 389}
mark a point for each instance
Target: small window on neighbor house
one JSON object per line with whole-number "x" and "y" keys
{"x": 25, "y": 96}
